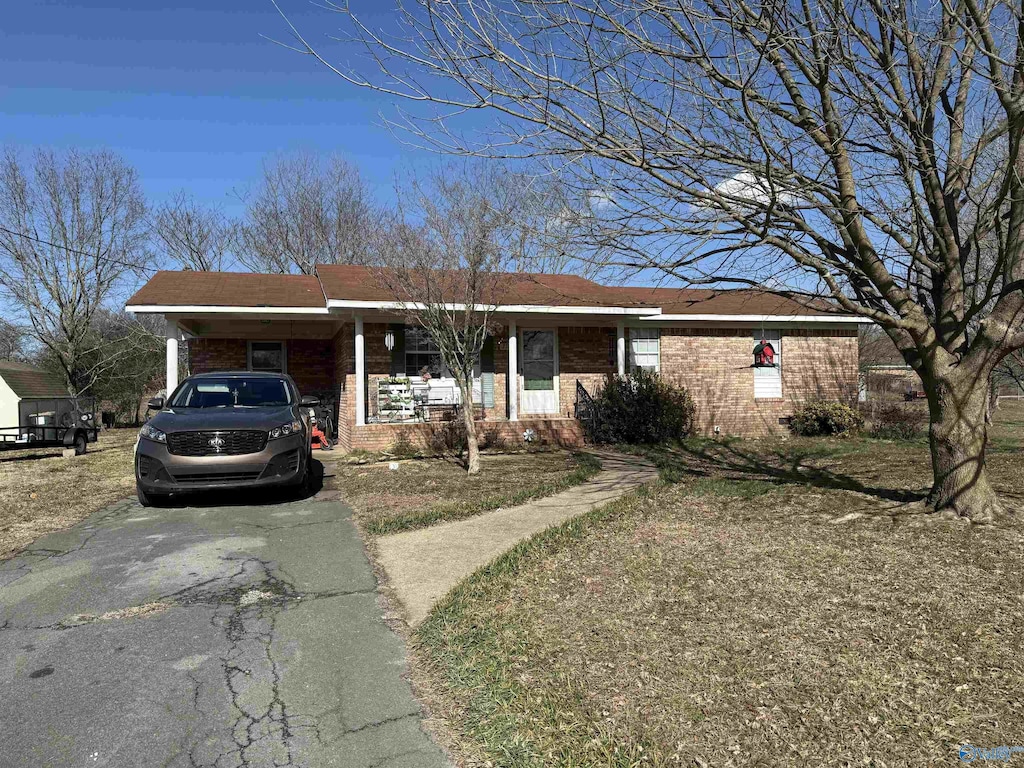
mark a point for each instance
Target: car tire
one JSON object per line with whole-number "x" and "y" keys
{"x": 81, "y": 443}
{"x": 305, "y": 485}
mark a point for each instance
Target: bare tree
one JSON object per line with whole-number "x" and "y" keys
{"x": 447, "y": 256}
{"x": 193, "y": 236}
{"x": 130, "y": 360}
{"x": 72, "y": 227}
{"x": 307, "y": 211}
{"x": 12, "y": 341}
{"x": 856, "y": 150}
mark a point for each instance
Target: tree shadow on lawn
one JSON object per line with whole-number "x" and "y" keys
{"x": 784, "y": 465}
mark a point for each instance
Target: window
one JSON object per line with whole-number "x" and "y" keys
{"x": 644, "y": 344}
{"x": 768, "y": 380}
{"x": 267, "y": 356}
{"x": 231, "y": 391}
{"x": 421, "y": 352}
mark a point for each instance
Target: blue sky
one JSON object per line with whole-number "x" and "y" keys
{"x": 189, "y": 93}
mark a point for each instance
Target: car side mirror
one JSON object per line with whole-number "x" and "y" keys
{"x": 309, "y": 401}
{"x": 156, "y": 404}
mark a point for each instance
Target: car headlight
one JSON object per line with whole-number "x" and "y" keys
{"x": 286, "y": 429}
{"x": 152, "y": 433}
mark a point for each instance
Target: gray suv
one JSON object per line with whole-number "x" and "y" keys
{"x": 225, "y": 430}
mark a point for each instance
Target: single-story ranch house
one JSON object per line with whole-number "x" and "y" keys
{"x": 340, "y": 335}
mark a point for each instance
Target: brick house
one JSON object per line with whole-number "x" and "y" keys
{"x": 342, "y": 337}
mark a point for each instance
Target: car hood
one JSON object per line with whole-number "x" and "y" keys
{"x": 220, "y": 419}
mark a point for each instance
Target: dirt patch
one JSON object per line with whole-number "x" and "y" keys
{"x": 41, "y": 492}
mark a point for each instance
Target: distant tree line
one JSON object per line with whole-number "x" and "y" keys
{"x": 77, "y": 237}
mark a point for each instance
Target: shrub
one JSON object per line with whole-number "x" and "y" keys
{"x": 824, "y": 418}
{"x": 898, "y": 422}
{"x": 403, "y": 447}
{"x": 638, "y": 409}
{"x": 493, "y": 439}
{"x": 448, "y": 438}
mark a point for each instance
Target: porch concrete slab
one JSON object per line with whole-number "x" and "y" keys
{"x": 424, "y": 565}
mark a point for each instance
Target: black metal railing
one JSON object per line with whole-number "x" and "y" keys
{"x": 585, "y": 409}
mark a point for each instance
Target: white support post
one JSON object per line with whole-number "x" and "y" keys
{"x": 360, "y": 373}
{"x": 620, "y": 348}
{"x": 171, "y": 334}
{"x": 513, "y": 373}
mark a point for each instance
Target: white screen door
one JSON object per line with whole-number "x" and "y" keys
{"x": 540, "y": 372}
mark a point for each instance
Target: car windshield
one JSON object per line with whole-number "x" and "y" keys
{"x": 231, "y": 392}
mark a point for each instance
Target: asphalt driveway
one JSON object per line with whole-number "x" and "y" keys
{"x": 203, "y": 636}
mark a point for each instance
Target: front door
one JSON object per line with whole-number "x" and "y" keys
{"x": 540, "y": 372}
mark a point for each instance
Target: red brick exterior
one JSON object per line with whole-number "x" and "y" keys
{"x": 344, "y": 345}
{"x": 564, "y": 433}
{"x": 310, "y": 362}
{"x": 584, "y": 354}
{"x": 714, "y": 364}
{"x": 206, "y": 355}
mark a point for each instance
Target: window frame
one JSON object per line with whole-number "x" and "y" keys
{"x": 432, "y": 349}
{"x": 773, "y": 336}
{"x": 284, "y": 355}
{"x": 649, "y": 334}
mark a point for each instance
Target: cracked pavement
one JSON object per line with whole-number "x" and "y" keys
{"x": 220, "y": 636}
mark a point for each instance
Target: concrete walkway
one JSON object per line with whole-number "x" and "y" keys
{"x": 423, "y": 565}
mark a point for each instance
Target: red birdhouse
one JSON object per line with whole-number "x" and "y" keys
{"x": 764, "y": 355}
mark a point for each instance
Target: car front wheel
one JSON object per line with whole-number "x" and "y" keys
{"x": 305, "y": 484}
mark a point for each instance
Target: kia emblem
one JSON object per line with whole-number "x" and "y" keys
{"x": 217, "y": 442}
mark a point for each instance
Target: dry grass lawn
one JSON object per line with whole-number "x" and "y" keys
{"x": 40, "y": 491}
{"x": 423, "y": 492}
{"x": 775, "y": 603}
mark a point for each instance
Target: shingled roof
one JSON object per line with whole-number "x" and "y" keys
{"x": 229, "y": 289}
{"x": 344, "y": 282}
{"x": 30, "y": 382}
{"x": 336, "y": 284}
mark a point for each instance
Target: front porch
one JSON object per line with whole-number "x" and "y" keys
{"x": 387, "y": 384}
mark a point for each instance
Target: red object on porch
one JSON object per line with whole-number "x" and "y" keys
{"x": 319, "y": 439}
{"x": 764, "y": 355}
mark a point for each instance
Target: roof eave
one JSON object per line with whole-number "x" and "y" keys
{"x": 198, "y": 309}
{"x": 785, "y": 319}
{"x": 544, "y": 309}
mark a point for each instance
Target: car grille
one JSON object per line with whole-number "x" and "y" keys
{"x": 236, "y": 443}
{"x": 216, "y": 477}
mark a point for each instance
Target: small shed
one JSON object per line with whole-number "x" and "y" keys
{"x": 26, "y": 392}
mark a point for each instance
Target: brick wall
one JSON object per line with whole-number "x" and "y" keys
{"x": 311, "y": 365}
{"x": 714, "y": 364}
{"x": 343, "y": 345}
{"x": 565, "y": 433}
{"x": 206, "y": 355}
{"x": 586, "y": 354}
{"x": 310, "y": 361}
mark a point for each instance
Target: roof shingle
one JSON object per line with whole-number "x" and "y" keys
{"x": 358, "y": 283}
{"x": 229, "y": 289}
{"x": 29, "y": 381}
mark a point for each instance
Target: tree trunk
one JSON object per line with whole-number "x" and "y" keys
{"x": 472, "y": 446}
{"x": 958, "y": 404}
